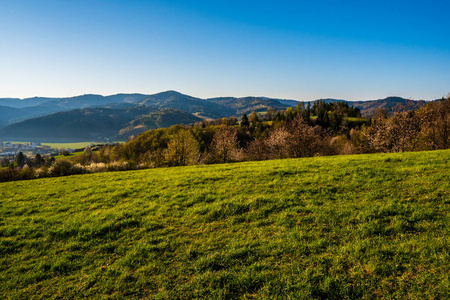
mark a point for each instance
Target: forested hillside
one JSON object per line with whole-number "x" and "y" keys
{"x": 14, "y": 111}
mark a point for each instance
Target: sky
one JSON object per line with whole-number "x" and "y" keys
{"x": 302, "y": 50}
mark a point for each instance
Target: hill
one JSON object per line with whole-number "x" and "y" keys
{"x": 7, "y": 114}
{"x": 246, "y": 105}
{"x": 368, "y": 107}
{"x": 189, "y": 104}
{"x": 114, "y": 122}
{"x": 353, "y": 227}
{"x": 157, "y": 119}
{"x": 81, "y": 124}
{"x": 212, "y": 108}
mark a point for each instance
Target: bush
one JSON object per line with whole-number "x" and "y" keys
{"x": 9, "y": 174}
{"x": 65, "y": 152}
{"x": 26, "y": 173}
{"x": 42, "y": 172}
{"x": 60, "y": 168}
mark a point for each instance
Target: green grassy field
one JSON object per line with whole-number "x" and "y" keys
{"x": 366, "y": 226}
{"x": 58, "y": 157}
{"x": 68, "y": 145}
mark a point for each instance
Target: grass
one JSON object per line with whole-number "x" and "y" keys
{"x": 352, "y": 119}
{"x": 74, "y": 154}
{"x": 366, "y": 226}
{"x": 78, "y": 145}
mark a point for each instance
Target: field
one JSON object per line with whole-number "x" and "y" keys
{"x": 59, "y": 157}
{"x": 366, "y": 226}
{"x": 78, "y": 145}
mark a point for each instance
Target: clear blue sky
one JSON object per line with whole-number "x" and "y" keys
{"x": 304, "y": 50}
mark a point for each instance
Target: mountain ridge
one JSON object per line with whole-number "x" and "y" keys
{"x": 171, "y": 107}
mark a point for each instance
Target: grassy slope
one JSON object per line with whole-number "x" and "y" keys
{"x": 334, "y": 227}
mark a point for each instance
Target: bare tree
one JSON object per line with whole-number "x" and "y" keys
{"x": 305, "y": 140}
{"x": 277, "y": 143}
{"x": 398, "y": 133}
{"x": 435, "y": 118}
{"x": 225, "y": 145}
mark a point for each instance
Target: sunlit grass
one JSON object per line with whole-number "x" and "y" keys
{"x": 366, "y": 226}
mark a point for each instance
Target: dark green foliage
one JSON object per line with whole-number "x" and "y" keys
{"x": 20, "y": 159}
{"x": 245, "y": 122}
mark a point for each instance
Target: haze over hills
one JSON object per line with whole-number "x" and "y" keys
{"x": 122, "y": 115}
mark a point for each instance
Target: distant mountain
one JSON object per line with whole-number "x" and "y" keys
{"x": 367, "y": 107}
{"x": 292, "y": 103}
{"x": 198, "y": 107}
{"x": 7, "y": 114}
{"x": 246, "y": 105}
{"x": 92, "y": 123}
{"x": 80, "y": 124}
{"x": 89, "y": 116}
{"x": 21, "y": 103}
{"x": 37, "y": 107}
{"x": 161, "y": 118}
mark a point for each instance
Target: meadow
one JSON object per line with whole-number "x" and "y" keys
{"x": 76, "y": 145}
{"x": 359, "y": 226}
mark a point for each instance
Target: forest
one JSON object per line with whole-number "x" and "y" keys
{"x": 321, "y": 129}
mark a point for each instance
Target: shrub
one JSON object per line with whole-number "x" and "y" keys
{"x": 26, "y": 173}
{"x": 60, "y": 168}
{"x": 9, "y": 174}
{"x": 65, "y": 152}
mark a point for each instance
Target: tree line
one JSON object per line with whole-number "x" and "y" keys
{"x": 323, "y": 128}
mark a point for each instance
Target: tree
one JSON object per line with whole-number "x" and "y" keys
{"x": 20, "y": 159}
{"x": 4, "y": 162}
{"x": 61, "y": 168}
{"x": 224, "y": 121}
{"x": 289, "y": 113}
{"x": 183, "y": 149}
{"x": 398, "y": 133}
{"x": 270, "y": 114}
{"x": 435, "y": 119}
{"x": 305, "y": 140}
{"x": 277, "y": 143}
{"x": 254, "y": 119}
{"x": 245, "y": 122}
{"x": 224, "y": 145}
{"x": 65, "y": 152}
{"x": 231, "y": 121}
{"x": 38, "y": 160}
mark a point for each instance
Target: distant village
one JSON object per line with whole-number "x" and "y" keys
{"x": 11, "y": 149}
